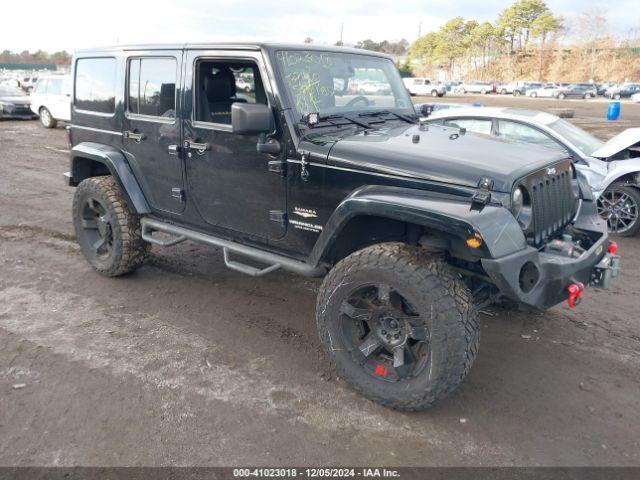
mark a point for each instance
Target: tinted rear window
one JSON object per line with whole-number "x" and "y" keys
{"x": 96, "y": 85}
{"x": 152, "y": 86}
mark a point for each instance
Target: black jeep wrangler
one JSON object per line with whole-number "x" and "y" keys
{"x": 313, "y": 160}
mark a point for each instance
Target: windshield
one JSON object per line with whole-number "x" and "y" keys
{"x": 334, "y": 83}
{"x": 11, "y": 92}
{"x": 585, "y": 142}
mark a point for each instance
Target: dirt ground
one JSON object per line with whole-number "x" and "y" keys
{"x": 187, "y": 363}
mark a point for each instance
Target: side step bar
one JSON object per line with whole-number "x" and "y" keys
{"x": 274, "y": 260}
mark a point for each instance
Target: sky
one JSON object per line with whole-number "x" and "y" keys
{"x": 57, "y": 25}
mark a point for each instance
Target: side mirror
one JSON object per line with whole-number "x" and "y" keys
{"x": 251, "y": 118}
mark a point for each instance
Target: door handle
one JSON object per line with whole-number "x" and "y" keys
{"x": 200, "y": 148}
{"x": 137, "y": 137}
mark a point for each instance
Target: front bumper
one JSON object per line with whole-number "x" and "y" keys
{"x": 540, "y": 279}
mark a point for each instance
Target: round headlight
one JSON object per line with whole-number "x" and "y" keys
{"x": 517, "y": 202}
{"x": 521, "y": 207}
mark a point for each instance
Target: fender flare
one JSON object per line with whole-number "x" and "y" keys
{"x": 117, "y": 165}
{"x": 500, "y": 231}
{"x": 625, "y": 167}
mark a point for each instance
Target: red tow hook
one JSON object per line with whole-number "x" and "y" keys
{"x": 575, "y": 294}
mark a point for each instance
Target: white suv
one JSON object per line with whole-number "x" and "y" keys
{"x": 51, "y": 99}
{"x": 423, "y": 86}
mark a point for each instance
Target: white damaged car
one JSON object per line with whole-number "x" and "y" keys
{"x": 612, "y": 168}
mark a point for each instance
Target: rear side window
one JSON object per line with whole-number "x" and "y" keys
{"x": 41, "y": 86}
{"x": 55, "y": 86}
{"x": 475, "y": 125}
{"x": 96, "y": 85}
{"x": 152, "y": 87}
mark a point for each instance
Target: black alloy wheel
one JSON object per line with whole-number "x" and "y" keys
{"x": 384, "y": 333}
{"x": 97, "y": 225}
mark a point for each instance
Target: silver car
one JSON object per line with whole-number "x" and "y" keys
{"x": 612, "y": 168}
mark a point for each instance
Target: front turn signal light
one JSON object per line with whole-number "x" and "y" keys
{"x": 474, "y": 241}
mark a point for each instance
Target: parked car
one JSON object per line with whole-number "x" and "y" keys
{"x": 623, "y": 91}
{"x": 546, "y": 91}
{"x": 14, "y": 103}
{"x": 423, "y": 86}
{"x": 414, "y": 229}
{"x": 574, "y": 90}
{"x": 474, "y": 87}
{"x": 449, "y": 86}
{"x": 601, "y": 88}
{"x": 521, "y": 88}
{"x": 51, "y": 99}
{"x": 10, "y": 82}
{"x": 612, "y": 168}
{"x": 28, "y": 83}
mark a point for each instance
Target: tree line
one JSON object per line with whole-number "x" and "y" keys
{"x": 39, "y": 57}
{"x": 527, "y": 41}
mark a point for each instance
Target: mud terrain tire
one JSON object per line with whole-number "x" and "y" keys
{"x": 435, "y": 293}
{"x": 102, "y": 217}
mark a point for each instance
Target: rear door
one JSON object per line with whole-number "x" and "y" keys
{"x": 228, "y": 179}
{"x": 151, "y": 136}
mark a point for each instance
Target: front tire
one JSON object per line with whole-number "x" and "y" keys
{"x": 47, "y": 119}
{"x": 434, "y": 93}
{"x": 108, "y": 232}
{"x": 617, "y": 96}
{"x": 619, "y": 205}
{"x": 398, "y": 325}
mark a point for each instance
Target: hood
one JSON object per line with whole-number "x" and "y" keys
{"x": 629, "y": 139}
{"x": 16, "y": 100}
{"x": 439, "y": 154}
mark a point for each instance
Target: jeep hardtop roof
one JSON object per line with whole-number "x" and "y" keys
{"x": 267, "y": 46}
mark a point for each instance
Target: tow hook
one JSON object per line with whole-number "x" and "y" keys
{"x": 575, "y": 294}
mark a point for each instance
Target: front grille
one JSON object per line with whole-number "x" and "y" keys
{"x": 553, "y": 202}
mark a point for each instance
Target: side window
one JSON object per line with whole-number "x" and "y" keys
{"x": 41, "y": 86}
{"x": 418, "y": 81}
{"x": 55, "y": 86}
{"x": 219, "y": 84}
{"x": 95, "y": 84}
{"x": 475, "y": 125}
{"x": 524, "y": 133}
{"x": 152, "y": 87}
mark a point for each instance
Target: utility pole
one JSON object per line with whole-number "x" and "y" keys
{"x": 341, "y": 32}
{"x": 419, "y": 29}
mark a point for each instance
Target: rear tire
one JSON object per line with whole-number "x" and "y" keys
{"x": 434, "y": 93}
{"x": 561, "y": 96}
{"x": 46, "y": 119}
{"x": 426, "y": 324}
{"x": 617, "y": 96}
{"x": 108, "y": 232}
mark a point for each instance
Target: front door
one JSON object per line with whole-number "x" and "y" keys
{"x": 228, "y": 179}
{"x": 151, "y": 136}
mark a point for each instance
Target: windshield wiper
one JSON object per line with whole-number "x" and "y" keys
{"x": 378, "y": 113}
{"x": 336, "y": 116}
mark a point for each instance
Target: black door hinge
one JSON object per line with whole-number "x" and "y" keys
{"x": 278, "y": 166}
{"x": 278, "y": 216}
{"x": 304, "y": 166}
